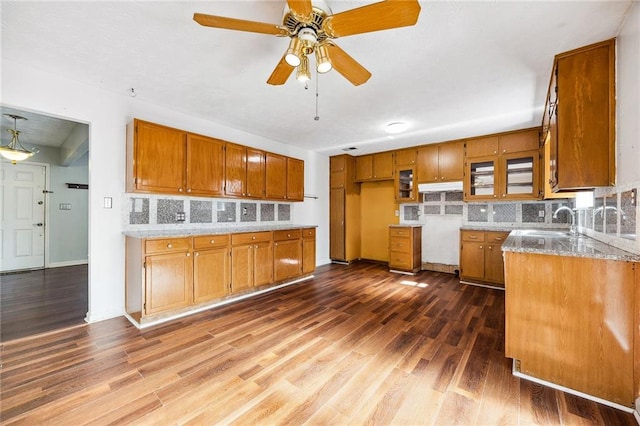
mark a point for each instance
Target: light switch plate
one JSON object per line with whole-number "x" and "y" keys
{"x": 108, "y": 202}
{"x": 540, "y": 213}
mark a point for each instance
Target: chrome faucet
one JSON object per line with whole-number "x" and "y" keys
{"x": 572, "y": 229}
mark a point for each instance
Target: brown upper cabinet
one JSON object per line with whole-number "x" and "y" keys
{"x": 255, "y": 173}
{"x": 505, "y": 166}
{"x": 284, "y": 178}
{"x": 205, "y": 167}
{"x": 163, "y": 160}
{"x": 441, "y": 162}
{"x": 374, "y": 167}
{"x": 581, "y": 118}
{"x": 156, "y": 158}
{"x": 406, "y": 157}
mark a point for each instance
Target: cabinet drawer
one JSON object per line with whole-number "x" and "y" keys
{"x": 207, "y": 241}
{"x": 167, "y": 245}
{"x": 472, "y": 236}
{"x": 400, "y": 244}
{"x": 309, "y": 233}
{"x": 399, "y": 232}
{"x": 400, "y": 260}
{"x": 250, "y": 237}
{"x": 495, "y": 237}
{"x": 287, "y": 234}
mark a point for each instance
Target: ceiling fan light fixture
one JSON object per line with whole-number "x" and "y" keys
{"x": 303, "y": 75}
{"x": 14, "y": 151}
{"x": 323, "y": 64}
{"x": 293, "y": 53}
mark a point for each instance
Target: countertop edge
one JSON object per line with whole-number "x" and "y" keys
{"x": 194, "y": 232}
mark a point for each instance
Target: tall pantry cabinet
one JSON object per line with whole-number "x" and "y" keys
{"x": 344, "y": 210}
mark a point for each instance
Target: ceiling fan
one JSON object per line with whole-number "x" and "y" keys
{"x": 312, "y": 27}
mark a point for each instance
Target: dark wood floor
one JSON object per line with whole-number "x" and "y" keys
{"x": 355, "y": 345}
{"x": 40, "y": 301}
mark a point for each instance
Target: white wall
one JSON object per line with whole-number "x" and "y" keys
{"x": 628, "y": 99}
{"x": 107, "y": 114}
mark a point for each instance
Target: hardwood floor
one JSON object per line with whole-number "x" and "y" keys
{"x": 355, "y": 345}
{"x": 40, "y": 301}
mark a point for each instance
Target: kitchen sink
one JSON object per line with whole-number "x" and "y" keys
{"x": 541, "y": 233}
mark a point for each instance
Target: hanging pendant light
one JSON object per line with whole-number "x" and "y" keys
{"x": 14, "y": 151}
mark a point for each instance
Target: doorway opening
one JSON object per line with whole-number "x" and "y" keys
{"x": 44, "y": 208}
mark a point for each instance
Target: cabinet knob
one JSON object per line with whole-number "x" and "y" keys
{"x": 495, "y": 196}
{"x": 179, "y": 189}
{"x": 188, "y": 254}
{"x": 188, "y": 189}
{"x": 495, "y": 152}
{"x": 169, "y": 245}
{"x": 442, "y": 178}
{"x": 213, "y": 241}
{"x": 480, "y": 247}
{"x": 253, "y": 238}
{"x": 288, "y": 235}
{"x": 243, "y": 194}
{"x": 490, "y": 247}
{"x": 504, "y": 151}
{"x": 504, "y": 195}
{"x": 275, "y": 244}
{"x": 196, "y": 254}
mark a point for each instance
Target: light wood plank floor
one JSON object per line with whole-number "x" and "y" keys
{"x": 355, "y": 345}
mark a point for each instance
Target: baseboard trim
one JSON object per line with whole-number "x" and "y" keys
{"x": 68, "y": 263}
{"x": 637, "y": 416}
{"x": 611, "y": 404}
{"x": 481, "y": 285}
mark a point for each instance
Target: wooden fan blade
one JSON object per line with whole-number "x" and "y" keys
{"x": 281, "y": 73}
{"x": 347, "y": 66}
{"x": 302, "y": 9}
{"x": 238, "y": 24}
{"x": 374, "y": 17}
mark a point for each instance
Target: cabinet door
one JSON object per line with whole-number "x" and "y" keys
{"x": 383, "y": 165}
{"x": 451, "y": 161}
{"x": 160, "y": 158}
{"x": 255, "y": 173}
{"x": 276, "y": 176}
{"x": 520, "y": 175}
{"x": 241, "y": 268}
{"x": 364, "y": 168}
{"x": 428, "y": 164}
{"x": 482, "y": 146}
{"x": 337, "y": 172}
{"x": 287, "y": 259}
{"x": 493, "y": 263}
{"x": 406, "y": 157}
{"x": 211, "y": 274}
{"x": 168, "y": 282}
{"x": 520, "y": 141}
{"x": 482, "y": 178}
{"x": 405, "y": 185}
{"x": 308, "y": 255}
{"x": 205, "y": 165}
{"x": 235, "y": 159}
{"x": 336, "y": 224}
{"x": 295, "y": 179}
{"x": 472, "y": 260}
{"x": 263, "y": 263}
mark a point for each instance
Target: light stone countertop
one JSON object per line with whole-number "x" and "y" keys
{"x": 561, "y": 243}
{"x": 194, "y": 232}
{"x": 405, "y": 225}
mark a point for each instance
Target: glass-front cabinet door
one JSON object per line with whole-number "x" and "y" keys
{"x": 405, "y": 185}
{"x": 482, "y": 178}
{"x": 521, "y": 175}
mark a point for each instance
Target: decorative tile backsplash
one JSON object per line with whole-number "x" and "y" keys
{"x": 144, "y": 211}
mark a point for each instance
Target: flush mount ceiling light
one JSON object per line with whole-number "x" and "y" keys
{"x": 14, "y": 151}
{"x": 396, "y": 127}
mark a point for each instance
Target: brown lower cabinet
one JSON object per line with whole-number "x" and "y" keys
{"x": 573, "y": 321}
{"x": 174, "y": 275}
{"x": 251, "y": 260}
{"x": 405, "y": 248}
{"x": 481, "y": 257}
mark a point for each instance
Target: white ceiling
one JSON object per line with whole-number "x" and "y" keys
{"x": 466, "y": 68}
{"x": 37, "y": 129}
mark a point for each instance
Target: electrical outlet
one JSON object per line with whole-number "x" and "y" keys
{"x": 244, "y": 211}
{"x": 541, "y": 213}
{"x": 180, "y": 217}
{"x": 397, "y": 213}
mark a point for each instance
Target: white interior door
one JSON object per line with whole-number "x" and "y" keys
{"x": 22, "y": 209}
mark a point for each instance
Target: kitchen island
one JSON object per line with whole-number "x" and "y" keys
{"x": 571, "y": 309}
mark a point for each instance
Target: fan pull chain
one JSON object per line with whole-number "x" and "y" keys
{"x": 317, "y": 117}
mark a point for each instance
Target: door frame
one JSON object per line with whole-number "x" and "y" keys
{"x": 47, "y": 183}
